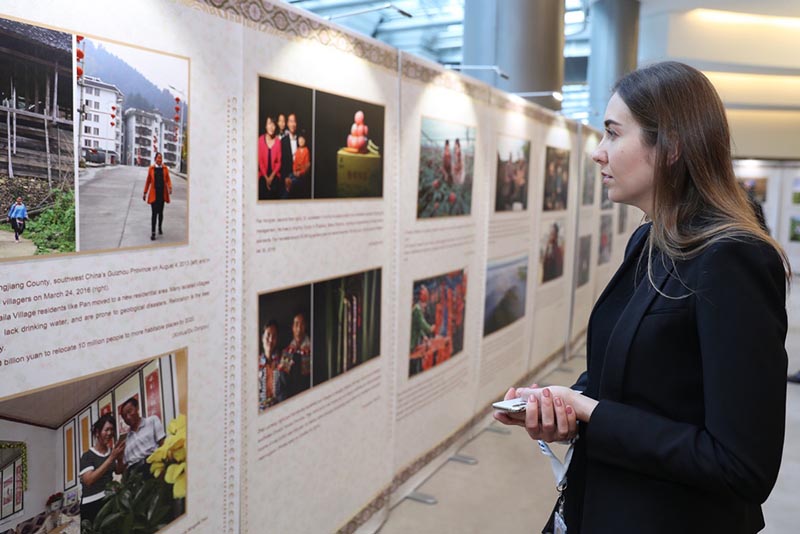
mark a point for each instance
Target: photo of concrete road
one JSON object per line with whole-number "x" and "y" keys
{"x": 112, "y": 214}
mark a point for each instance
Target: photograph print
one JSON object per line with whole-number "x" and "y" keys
{"x": 556, "y": 179}
{"x": 622, "y": 219}
{"x": 513, "y": 163}
{"x": 605, "y": 202}
{"x": 794, "y": 229}
{"x": 606, "y": 238}
{"x": 302, "y": 345}
{"x": 590, "y": 173}
{"x": 552, "y": 248}
{"x": 313, "y": 144}
{"x": 349, "y": 144}
{"x": 284, "y": 343}
{"x": 132, "y": 136}
{"x": 584, "y": 259}
{"x": 446, "y": 166}
{"x": 506, "y": 287}
{"x": 59, "y": 441}
{"x": 285, "y": 140}
{"x": 756, "y": 188}
{"x": 346, "y": 324}
{"x": 37, "y": 153}
{"x": 437, "y": 320}
{"x": 796, "y": 191}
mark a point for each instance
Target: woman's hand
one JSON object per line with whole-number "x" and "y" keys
{"x": 552, "y": 413}
{"x": 118, "y": 450}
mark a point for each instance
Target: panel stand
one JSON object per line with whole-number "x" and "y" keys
{"x": 460, "y": 458}
{"x": 424, "y": 498}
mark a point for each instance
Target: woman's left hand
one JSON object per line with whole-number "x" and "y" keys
{"x": 583, "y": 405}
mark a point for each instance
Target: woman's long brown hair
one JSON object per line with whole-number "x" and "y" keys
{"x": 696, "y": 201}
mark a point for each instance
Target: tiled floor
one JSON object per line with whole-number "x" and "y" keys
{"x": 511, "y": 489}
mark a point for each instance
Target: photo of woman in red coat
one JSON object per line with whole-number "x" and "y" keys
{"x": 157, "y": 189}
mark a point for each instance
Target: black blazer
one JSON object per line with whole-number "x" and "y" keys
{"x": 287, "y": 158}
{"x": 688, "y": 434}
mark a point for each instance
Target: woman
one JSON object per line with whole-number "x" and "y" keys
{"x": 458, "y": 164}
{"x": 97, "y": 466}
{"x": 682, "y": 407}
{"x": 269, "y": 163}
{"x": 18, "y": 214}
{"x": 157, "y": 189}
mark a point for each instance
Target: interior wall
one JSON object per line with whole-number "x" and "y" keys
{"x": 753, "y": 63}
{"x": 765, "y": 134}
{"x": 44, "y": 459}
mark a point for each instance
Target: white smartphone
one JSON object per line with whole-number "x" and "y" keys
{"x": 511, "y": 406}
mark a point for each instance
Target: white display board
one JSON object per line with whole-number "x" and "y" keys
{"x": 318, "y": 277}
{"x": 559, "y": 157}
{"x": 117, "y": 296}
{"x": 341, "y": 257}
{"x": 441, "y": 243}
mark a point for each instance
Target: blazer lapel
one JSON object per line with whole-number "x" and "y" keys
{"x": 619, "y": 342}
{"x": 632, "y": 256}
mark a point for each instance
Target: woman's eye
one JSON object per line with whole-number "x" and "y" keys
{"x": 610, "y": 133}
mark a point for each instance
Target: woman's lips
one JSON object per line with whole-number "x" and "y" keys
{"x": 606, "y": 178}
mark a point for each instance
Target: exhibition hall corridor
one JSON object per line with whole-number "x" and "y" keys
{"x": 511, "y": 489}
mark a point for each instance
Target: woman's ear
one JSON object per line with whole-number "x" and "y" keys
{"x": 673, "y": 148}
{"x": 674, "y": 153}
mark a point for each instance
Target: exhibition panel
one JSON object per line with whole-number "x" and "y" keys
{"x": 320, "y": 165}
{"x": 588, "y": 235}
{"x": 554, "y": 246}
{"x": 510, "y": 285}
{"x": 116, "y": 296}
{"x": 284, "y": 253}
{"x": 775, "y": 186}
{"x": 441, "y": 243}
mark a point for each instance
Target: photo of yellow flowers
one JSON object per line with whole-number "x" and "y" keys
{"x": 109, "y": 452}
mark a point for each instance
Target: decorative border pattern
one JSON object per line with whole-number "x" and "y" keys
{"x": 375, "y": 505}
{"x": 413, "y": 70}
{"x": 232, "y": 321}
{"x": 278, "y": 19}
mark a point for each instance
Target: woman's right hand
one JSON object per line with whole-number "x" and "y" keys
{"x": 547, "y": 417}
{"x": 119, "y": 448}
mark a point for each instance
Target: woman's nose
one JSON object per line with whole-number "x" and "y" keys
{"x": 599, "y": 156}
